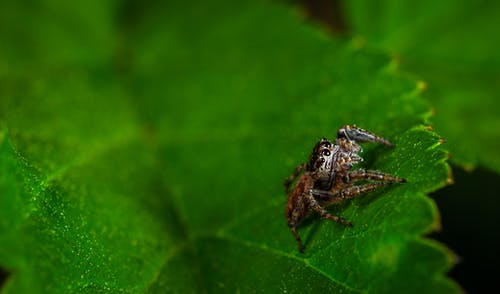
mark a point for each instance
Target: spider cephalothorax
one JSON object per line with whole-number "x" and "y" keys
{"x": 321, "y": 160}
{"x": 328, "y": 177}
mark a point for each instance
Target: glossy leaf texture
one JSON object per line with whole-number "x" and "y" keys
{"x": 453, "y": 47}
{"x": 143, "y": 149}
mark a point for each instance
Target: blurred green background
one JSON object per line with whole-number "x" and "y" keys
{"x": 219, "y": 101}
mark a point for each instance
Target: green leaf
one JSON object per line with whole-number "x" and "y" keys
{"x": 453, "y": 47}
{"x": 153, "y": 161}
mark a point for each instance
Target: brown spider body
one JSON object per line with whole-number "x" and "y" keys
{"x": 328, "y": 179}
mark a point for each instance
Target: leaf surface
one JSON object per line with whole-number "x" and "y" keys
{"x": 153, "y": 161}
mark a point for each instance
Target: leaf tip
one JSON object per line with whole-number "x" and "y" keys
{"x": 442, "y": 140}
{"x": 450, "y": 180}
{"x": 429, "y": 128}
{"x": 436, "y": 224}
{"x": 421, "y": 86}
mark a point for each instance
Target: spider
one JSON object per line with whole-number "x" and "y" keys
{"x": 328, "y": 178}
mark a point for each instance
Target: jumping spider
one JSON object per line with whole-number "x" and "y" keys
{"x": 328, "y": 178}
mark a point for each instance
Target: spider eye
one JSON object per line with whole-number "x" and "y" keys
{"x": 322, "y": 160}
{"x": 326, "y": 152}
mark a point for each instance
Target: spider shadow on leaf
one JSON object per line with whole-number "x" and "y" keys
{"x": 337, "y": 209}
{"x": 312, "y": 221}
{"x": 372, "y": 155}
{"x": 367, "y": 199}
{"x": 375, "y": 154}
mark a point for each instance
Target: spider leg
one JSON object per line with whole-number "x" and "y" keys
{"x": 348, "y": 192}
{"x": 362, "y": 174}
{"x": 296, "y": 235}
{"x": 359, "y": 135}
{"x": 314, "y": 205}
{"x": 293, "y": 219}
{"x": 293, "y": 176}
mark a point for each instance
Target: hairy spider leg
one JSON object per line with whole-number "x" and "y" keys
{"x": 359, "y": 135}
{"x": 348, "y": 192}
{"x": 296, "y": 235}
{"x": 314, "y": 205}
{"x": 324, "y": 214}
{"x": 362, "y": 174}
{"x": 292, "y": 222}
{"x": 333, "y": 197}
{"x": 293, "y": 176}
